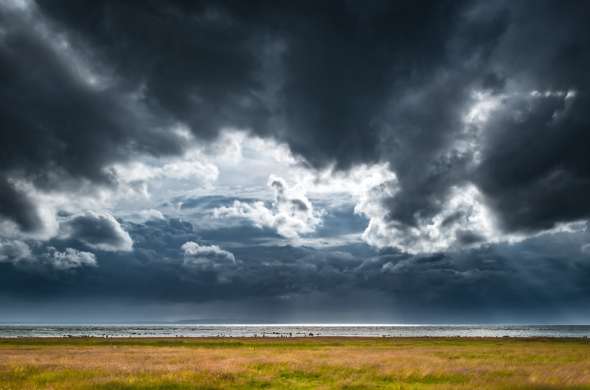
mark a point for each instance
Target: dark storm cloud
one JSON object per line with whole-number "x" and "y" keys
{"x": 52, "y": 118}
{"x": 197, "y": 61}
{"x": 16, "y": 206}
{"x": 341, "y": 82}
{"x": 536, "y": 170}
{"x": 57, "y": 129}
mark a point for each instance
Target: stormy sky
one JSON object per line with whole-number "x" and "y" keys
{"x": 279, "y": 161}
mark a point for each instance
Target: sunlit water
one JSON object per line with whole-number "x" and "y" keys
{"x": 290, "y": 330}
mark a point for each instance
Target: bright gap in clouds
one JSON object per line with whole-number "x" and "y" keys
{"x": 244, "y": 180}
{"x": 241, "y": 179}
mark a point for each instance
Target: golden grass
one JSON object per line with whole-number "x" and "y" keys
{"x": 307, "y": 363}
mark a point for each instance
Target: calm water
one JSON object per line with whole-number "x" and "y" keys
{"x": 289, "y": 330}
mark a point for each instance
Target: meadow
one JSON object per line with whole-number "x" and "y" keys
{"x": 294, "y": 363}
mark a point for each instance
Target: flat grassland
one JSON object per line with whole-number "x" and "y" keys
{"x": 294, "y": 363}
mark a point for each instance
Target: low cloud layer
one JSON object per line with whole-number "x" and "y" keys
{"x": 172, "y": 267}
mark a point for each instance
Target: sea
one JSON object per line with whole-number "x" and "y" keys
{"x": 291, "y": 330}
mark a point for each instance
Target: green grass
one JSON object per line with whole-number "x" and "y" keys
{"x": 302, "y": 363}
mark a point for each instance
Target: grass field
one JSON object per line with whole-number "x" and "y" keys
{"x": 305, "y": 363}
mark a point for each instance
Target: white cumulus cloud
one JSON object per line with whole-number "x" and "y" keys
{"x": 291, "y": 213}
{"x": 464, "y": 220}
{"x": 70, "y": 258}
{"x": 205, "y": 257}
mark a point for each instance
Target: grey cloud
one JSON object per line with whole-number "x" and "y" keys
{"x": 13, "y": 251}
{"x": 99, "y": 231}
{"x": 69, "y": 259}
{"x": 21, "y": 255}
{"x": 206, "y": 256}
{"x": 536, "y": 172}
{"x": 16, "y": 206}
{"x": 466, "y": 237}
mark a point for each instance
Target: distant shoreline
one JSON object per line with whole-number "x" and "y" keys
{"x": 139, "y": 340}
{"x": 292, "y": 331}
